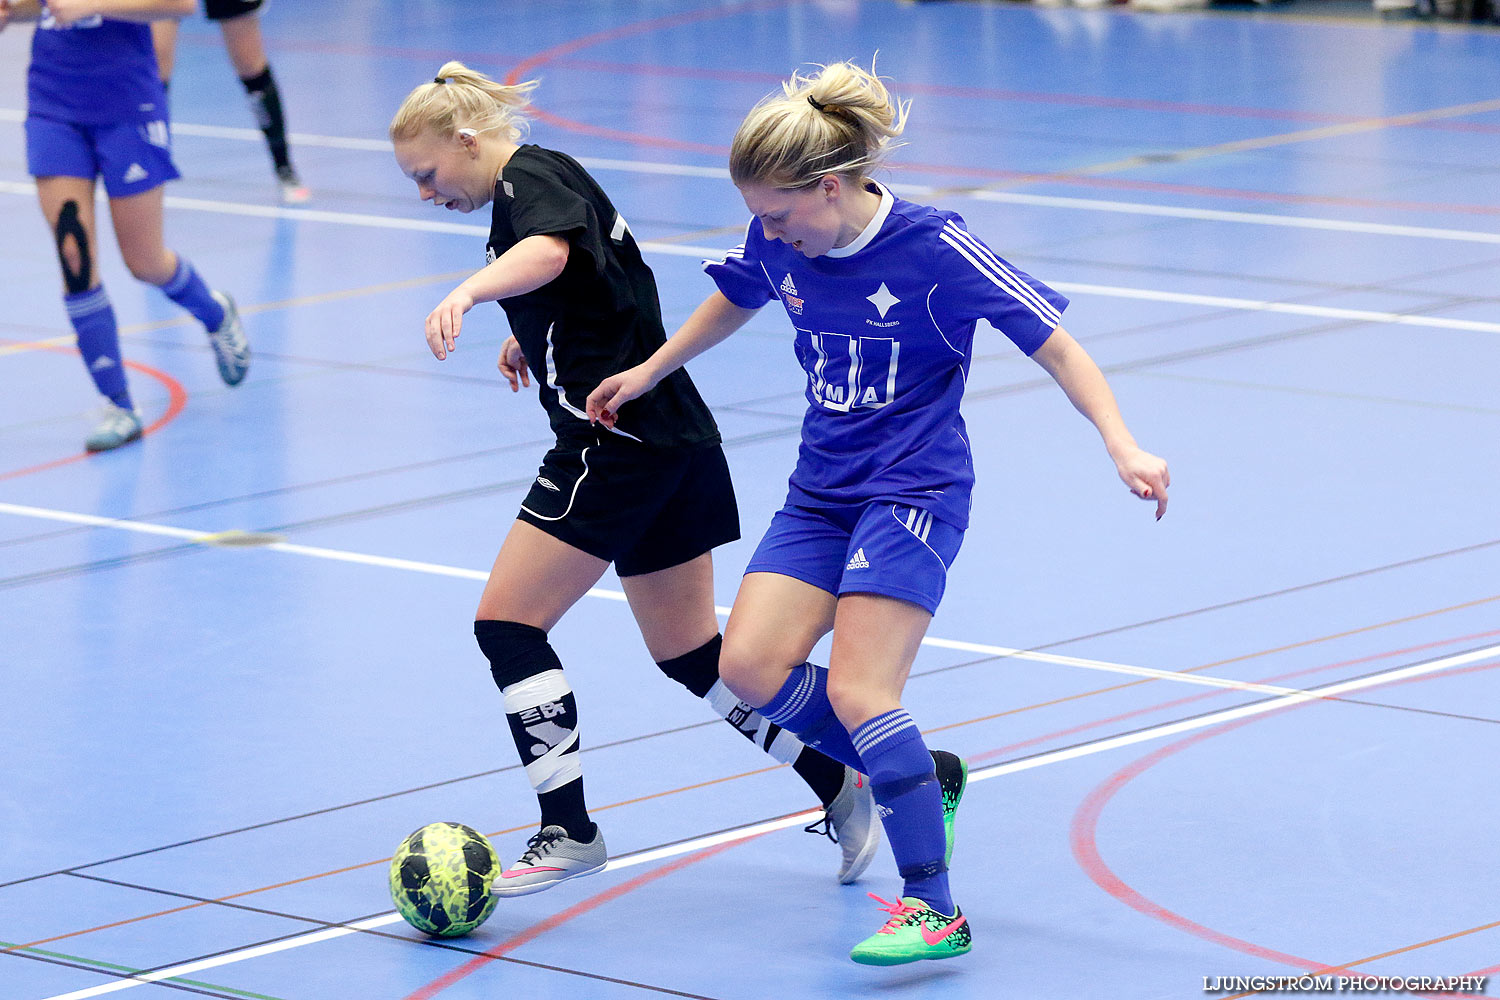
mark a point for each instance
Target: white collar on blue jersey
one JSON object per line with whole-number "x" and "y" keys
{"x": 868, "y": 233}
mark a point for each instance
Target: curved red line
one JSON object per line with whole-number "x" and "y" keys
{"x": 636, "y": 28}
{"x": 176, "y": 401}
{"x": 558, "y": 919}
{"x": 1083, "y": 838}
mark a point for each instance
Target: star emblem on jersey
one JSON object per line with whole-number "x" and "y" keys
{"x": 882, "y": 299}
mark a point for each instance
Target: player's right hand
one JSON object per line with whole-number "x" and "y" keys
{"x": 614, "y": 392}
{"x": 445, "y": 322}
{"x": 512, "y": 364}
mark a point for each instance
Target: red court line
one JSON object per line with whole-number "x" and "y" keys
{"x": 556, "y": 52}
{"x": 1083, "y": 838}
{"x": 176, "y": 401}
{"x": 1017, "y": 96}
{"x": 558, "y": 919}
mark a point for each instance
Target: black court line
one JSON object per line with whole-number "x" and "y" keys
{"x": 426, "y": 942}
{"x": 64, "y": 963}
{"x": 566, "y": 971}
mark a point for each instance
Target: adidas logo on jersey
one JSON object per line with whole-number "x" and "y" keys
{"x": 134, "y": 172}
{"x": 858, "y": 561}
{"x": 549, "y": 484}
{"x": 789, "y": 294}
{"x": 102, "y": 362}
{"x": 884, "y": 812}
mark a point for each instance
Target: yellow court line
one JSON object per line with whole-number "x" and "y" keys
{"x": 68, "y": 340}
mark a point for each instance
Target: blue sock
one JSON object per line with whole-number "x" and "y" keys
{"x": 99, "y": 342}
{"x": 188, "y": 290}
{"x": 801, "y": 707}
{"x": 905, "y": 787}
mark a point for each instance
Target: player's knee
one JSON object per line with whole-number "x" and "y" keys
{"x": 152, "y": 268}
{"x": 752, "y": 673}
{"x": 515, "y": 651}
{"x": 853, "y": 701}
{"x": 73, "y": 254}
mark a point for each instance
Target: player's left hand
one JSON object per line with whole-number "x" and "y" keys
{"x": 1147, "y": 477}
{"x": 445, "y": 322}
{"x": 512, "y": 364}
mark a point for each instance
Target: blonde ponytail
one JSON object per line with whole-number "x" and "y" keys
{"x": 460, "y": 97}
{"x": 840, "y": 120}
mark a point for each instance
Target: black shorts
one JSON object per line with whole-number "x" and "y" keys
{"x": 643, "y": 509}
{"x": 228, "y": 10}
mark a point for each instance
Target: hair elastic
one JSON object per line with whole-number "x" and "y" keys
{"x": 439, "y": 79}
{"x": 816, "y": 103}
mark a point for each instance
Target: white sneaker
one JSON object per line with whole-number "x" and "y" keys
{"x": 551, "y": 857}
{"x": 293, "y": 191}
{"x": 850, "y": 821}
{"x": 231, "y": 350}
{"x": 118, "y": 426}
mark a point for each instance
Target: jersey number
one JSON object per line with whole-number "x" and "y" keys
{"x": 853, "y": 373}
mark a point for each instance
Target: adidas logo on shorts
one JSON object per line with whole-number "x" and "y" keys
{"x": 858, "y": 561}
{"x": 135, "y": 172}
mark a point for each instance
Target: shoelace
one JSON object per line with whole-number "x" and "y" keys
{"x": 538, "y": 847}
{"x": 826, "y": 823}
{"x": 899, "y": 912}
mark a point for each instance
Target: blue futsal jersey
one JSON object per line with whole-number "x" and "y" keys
{"x": 97, "y": 72}
{"x": 885, "y": 331}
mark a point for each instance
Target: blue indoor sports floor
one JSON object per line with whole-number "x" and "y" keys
{"x": 1256, "y": 738}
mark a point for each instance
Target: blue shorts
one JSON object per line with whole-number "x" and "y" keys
{"x": 132, "y": 157}
{"x": 883, "y": 548}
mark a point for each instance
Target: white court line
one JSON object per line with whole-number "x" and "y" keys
{"x": 979, "y": 194}
{"x": 978, "y": 774}
{"x": 437, "y": 569}
{"x": 715, "y": 253}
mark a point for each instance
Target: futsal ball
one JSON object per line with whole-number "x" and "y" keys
{"x": 440, "y": 879}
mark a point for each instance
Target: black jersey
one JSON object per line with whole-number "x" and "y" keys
{"x": 597, "y": 318}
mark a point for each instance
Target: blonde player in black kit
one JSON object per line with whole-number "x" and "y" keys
{"x": 651, "y": 495}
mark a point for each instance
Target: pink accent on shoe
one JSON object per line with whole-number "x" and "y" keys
{"x": 512, "y": 873}
{"x": 932, "y": 938}
{"x": 897, "y": 910}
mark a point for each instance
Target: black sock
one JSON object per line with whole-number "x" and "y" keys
{"x": 698, "y": 671}
{"x": 564, "y": 807}
{"x": 265, "y": 104}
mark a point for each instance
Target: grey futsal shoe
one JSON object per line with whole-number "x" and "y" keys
{"x": 118, "y": 426}
{"x": 552, "y": 857}
{"x": 231, "y": 350}
{"x": 850, "y": 821}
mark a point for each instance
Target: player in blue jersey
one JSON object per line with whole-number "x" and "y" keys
{"x": 567, "y": 271}
{"x": 95, "y": 109}
{"x": 884, "y": 296}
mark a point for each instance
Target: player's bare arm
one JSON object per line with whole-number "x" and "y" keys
{"x": 68, "y": 12}
{"x": 1080, "y": 378}
{"x": 523, "y": 268}
{"x": 713, "y": 321}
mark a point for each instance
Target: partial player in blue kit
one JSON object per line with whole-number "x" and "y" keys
{"x": 239, "y": 23}
{"x": 884, "y": 296}
{"x": 95, "y": 109}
